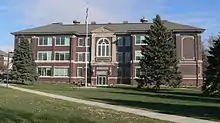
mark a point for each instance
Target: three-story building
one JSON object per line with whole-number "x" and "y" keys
{"x": 113, "y": 51}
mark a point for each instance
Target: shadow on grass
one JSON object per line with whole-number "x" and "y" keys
{"x": 204, "y": 112}
{"x": 174, "y": 96}
{"x": 17, "y": 116}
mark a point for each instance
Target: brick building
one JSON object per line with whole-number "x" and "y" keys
{"x": 113, "y": 51}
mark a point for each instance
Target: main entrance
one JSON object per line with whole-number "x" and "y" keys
{"x": 102, "y": 80}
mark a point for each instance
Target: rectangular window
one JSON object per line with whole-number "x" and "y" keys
{"x": 139, "y": 39}
{"x": 62, "y": 41}
{"x": 79, "y": 72}
{"x": 80, "y": 56}
{"x": 120, "y": 56}
{"x": 127, "y": 41}
{"x": 42, "y": 71}
{"x": 120, "y": 41}
{"x": 59, "y": 56}
{"x": 61, "y": 71}
{"x": 45, "y": 41}
{"x": 127, "y": 56}
{"x": 137, "y": 71}
{"x": 44, "y": 56}
{"x": 138, "y": 55}
{"x": 81, "y": 42}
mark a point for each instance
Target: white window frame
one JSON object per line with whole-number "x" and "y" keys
{"x": 61, "y": 67}
{"x": 38, "y": 40}
{"x": 136, "y": 51}
{"x": 59, "y": 54}
{"x": 109, "y": 47}
{"x": 77, "y": 73}
{"x": 47, "y": 67}
{"x": 48, "y": 52}
{"x": 120, "y": 45}
{"x": 135, "y": 36}
{"x": 79, "y": 43}
{"x": 60, "y": 37}
{"x": 77, "y": 53}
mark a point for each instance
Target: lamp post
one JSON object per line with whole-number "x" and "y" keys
{"x": 8, "y": 68}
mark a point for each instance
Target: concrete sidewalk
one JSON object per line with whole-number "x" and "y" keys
{"x": 166, "y": 117}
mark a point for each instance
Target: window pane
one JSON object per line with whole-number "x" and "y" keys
{"x": 44, "y": 56}
{"x": 61, "y": 56}
{"x": 80, "y": 56}
{"x": 99, "y": 50}
{"x": 79, "y": 72}
{"x": 67, "y": 56}
{"x": 127, "y": 57}
{"x": 61, "y": 71}
{"x": 138, "y": 72}
{"x": 107, "y": 50}
{"x": 57, "y": 40}
{"x": 49, "y": 55}
{"x": 103, "y": 50}
{"x": 127, "y": 41}
{"x": 57, "y": 57}
{"x": 62, "y": 41}
{"x": 41, "y": 40}
{"x": 39, "y": 56}
{"x": 142, "y": 38}
{"x": 49, "y": 41}
{"x": 67, "y": 41}
{"x": 81, "y": 42}
{"x": 120, "y": 56}
{"x": 48, "y": 72}
{"x": 120, "y": 41}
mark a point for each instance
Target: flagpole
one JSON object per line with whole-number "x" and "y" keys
{"x": 86, "y": 44}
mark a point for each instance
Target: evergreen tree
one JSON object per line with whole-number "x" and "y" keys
{"x": 159, "y": 62}
{"x": 212, "y": 83}
{"x": 24, "y": 67}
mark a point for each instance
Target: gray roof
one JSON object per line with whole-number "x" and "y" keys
{"x": 2, "y": 53}
{"x": 59, "y": 28}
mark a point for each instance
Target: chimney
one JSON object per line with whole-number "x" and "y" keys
{"x": 143, "y": 20}
{"x": 93, "y": 22}
{"x": 57, "y": 23}
{"x": 76, "y": 22}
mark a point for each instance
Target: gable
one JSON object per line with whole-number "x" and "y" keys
{"x": 102, "y": 29}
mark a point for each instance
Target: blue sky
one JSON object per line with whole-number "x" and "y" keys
{"x": 21, "y": 14}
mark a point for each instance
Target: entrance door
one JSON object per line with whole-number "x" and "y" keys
{"x": 102, "y": 80}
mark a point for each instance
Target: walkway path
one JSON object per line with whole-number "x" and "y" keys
{"x": 167, "y": 117}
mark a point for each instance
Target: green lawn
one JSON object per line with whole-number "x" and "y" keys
{"x": 184, "y": 102}
{"x": 21, "y": 107}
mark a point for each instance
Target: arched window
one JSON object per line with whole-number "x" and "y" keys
{"x": 103, "y": 47}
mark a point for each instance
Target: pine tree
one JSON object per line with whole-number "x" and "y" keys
{"x": 24, "y": 67}
{"x": 212, "y": 83}
{"x": 159, "y": 62}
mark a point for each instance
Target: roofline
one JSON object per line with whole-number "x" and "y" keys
{"x": 42, "y": 33}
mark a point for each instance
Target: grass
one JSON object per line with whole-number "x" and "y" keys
{"x": 184, "y": 102}
{"x": 21, "y": 107}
